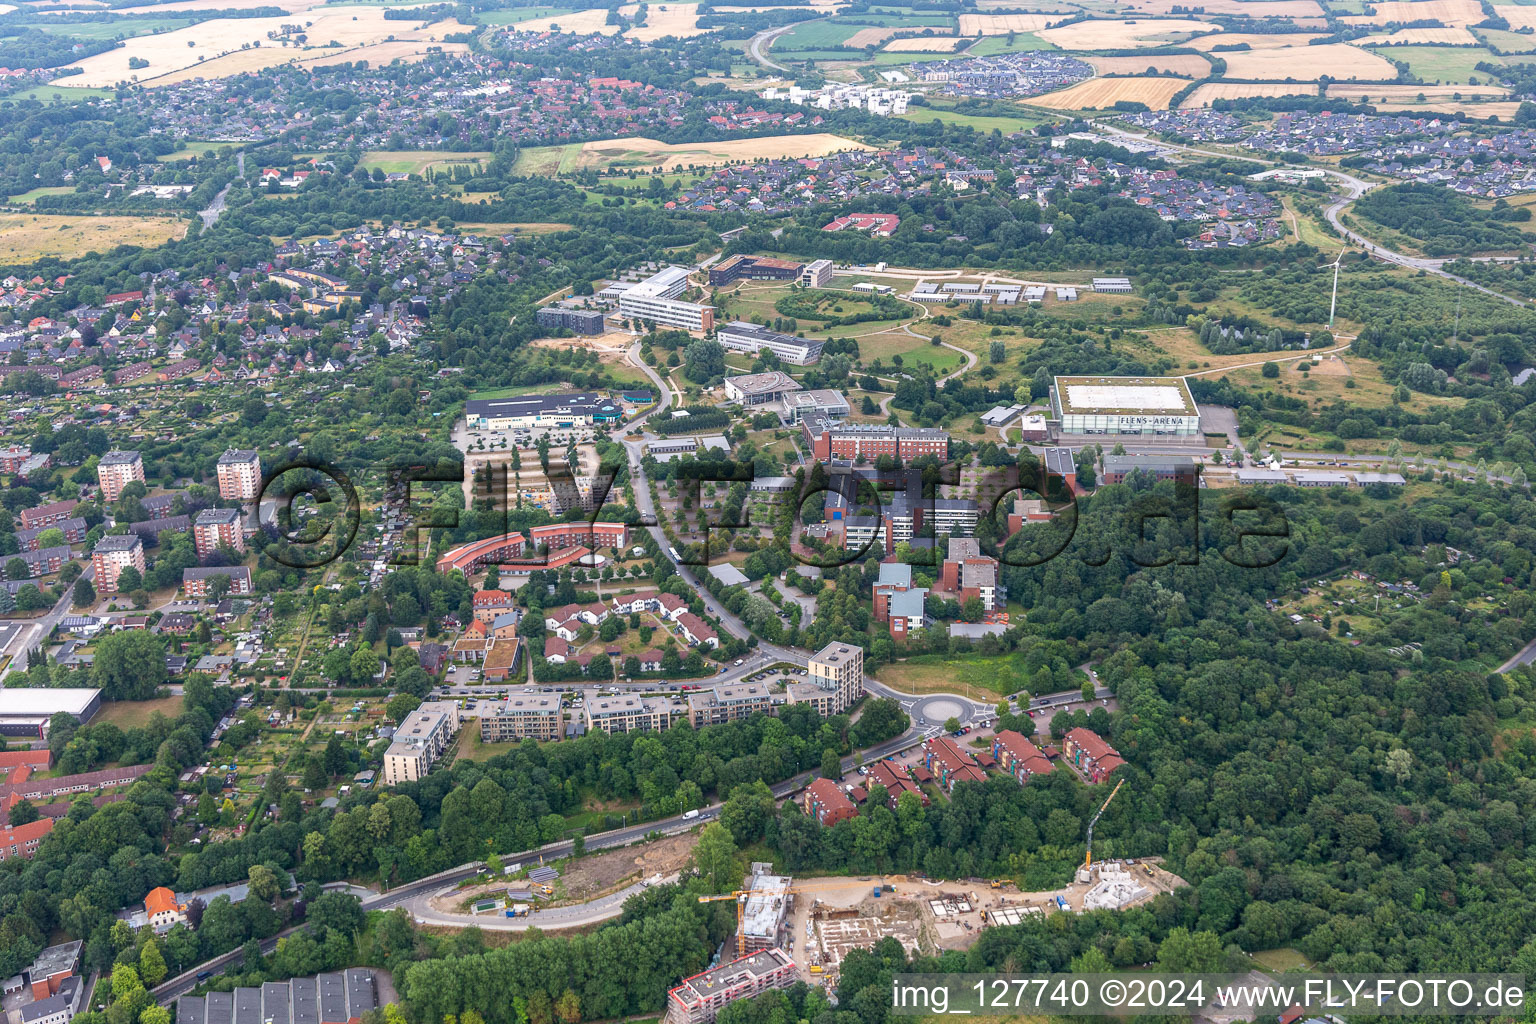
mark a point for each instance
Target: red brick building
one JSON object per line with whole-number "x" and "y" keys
{"x": 1094, "y": 758}
{"x": 827, "y": 804}
{"x": 1017, "y": 756}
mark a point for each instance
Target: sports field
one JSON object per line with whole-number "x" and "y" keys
{"x": 30, "y": 236}
{"x": 1103, "y": 93}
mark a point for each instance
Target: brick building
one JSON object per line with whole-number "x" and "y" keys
{"x": 117, "y": 470}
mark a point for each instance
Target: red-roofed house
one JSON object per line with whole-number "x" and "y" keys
{"x": 22, "y": 840}
{"x": 827, "y": 804}
{"x": 949, "y": 763}
{"x": 1092, "y": 757}
{"x": 1018, "y": 756}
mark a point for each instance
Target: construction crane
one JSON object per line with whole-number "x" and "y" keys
{"x": 741, "y": 896}
{"x": 1088, "y": 857}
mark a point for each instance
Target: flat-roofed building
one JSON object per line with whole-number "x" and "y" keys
{"x": 764, "y": 909}
{"x": 816, "y": 274}
{"x": 754, "y": 268}
{"x": 577, "y": 321}
{"x": 869, "y": 441}
{"x": 213, "y": 527}
{"x": 760, "y": 388}
{"x": 627, "y": 713}
{"x": 1112, "y": 285}
{"x": 1159, "y": 407}
{"x": 837, "y": 671}
{"x": 523, "y": 716}
{"x": 342, "y": 997}
{"x": 1159, "y": 467}
{"x": 728, "y": 702}
{"x": 699, "y": 999}
{"x": 558, "y": 411}
{"x": 239, "y": 474}
{"x": 24, "y": 712}
{"x": 419, "y": 740}
{"x": 654, "y": 300}
{"x": 816, "y": 402}
{"x": 117, "y": 470}
{"x": 741, "y": 336}
{"x": 114, "y": 554}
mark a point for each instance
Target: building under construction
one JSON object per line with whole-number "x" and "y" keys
{"x": 698, "y": 999}
{"x": 764, "y": 909}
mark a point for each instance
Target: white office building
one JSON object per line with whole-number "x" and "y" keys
{"x": 420, "y": 740}
{"x": 655, "y": 299}
{"x": 741, "y": 336}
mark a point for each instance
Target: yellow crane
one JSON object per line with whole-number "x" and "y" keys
{"x": 740, "y": 896}
{"x": 1088, "y": 857}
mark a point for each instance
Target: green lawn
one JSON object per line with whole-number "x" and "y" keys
{"x": 62, "y": 94}
{"x": 1007, "y": 125}
{"x": 125, "y": 27}
{"x": 131, "y": 714}
{"x": 1441, "y": 64}
{"x": 37, "y": 193}
{"x": 1022, "y": 41}
{"x": 815, "y": 35}
{"x": 975, "y": 676}
{"x": 547, "y": 160}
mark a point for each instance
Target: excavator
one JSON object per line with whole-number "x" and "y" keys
{"x": 740, "y": 896}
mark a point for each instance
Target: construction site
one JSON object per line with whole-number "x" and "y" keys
{"x": 818, "y": 921}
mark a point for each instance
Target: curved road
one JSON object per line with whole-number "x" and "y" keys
{"x": 757, "y": 48}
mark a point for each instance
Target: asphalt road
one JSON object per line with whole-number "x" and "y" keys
{"x": 43, "y": 628}
{"x": 757, "y": 49}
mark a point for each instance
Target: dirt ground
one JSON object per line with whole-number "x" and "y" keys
{"x": 592, "y": 876}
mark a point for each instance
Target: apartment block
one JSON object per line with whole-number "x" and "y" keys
{"x": 420, "y": 740}
{"x": 117, "y": 470}
{"x": 1087, "y": 751}
{"x": 343, "y": 997}
{"x": 22, "y": 840}
{"x": 215, "y": 526}
{"x": 828, "y": 804}
{"x": 699, "y": 999}
{"x": 1016, "y": 755}
{"x": 114, "y": 554}
{"x": 968, "y": 573}
{"x": 50, "y": 514}
{"x": 239, "y": 475}
{"x": 728, "y": 702}
{"x": 627, "y": 713}
{"x": 195, "y": 581}
{"x": 949, "y": 763}
{"x": 835, "y": 677}
{"x": 523, "y": 716}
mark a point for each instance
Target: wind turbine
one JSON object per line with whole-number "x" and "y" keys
{"x": 1332, "y": 305}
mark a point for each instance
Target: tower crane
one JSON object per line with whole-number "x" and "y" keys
{"x": 1088, "y": 858}
{"x": 741, "y": 896}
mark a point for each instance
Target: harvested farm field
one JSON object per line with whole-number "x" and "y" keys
{"x": 1454, "y": 13}
{"x": 1253, "y": 40}
{"x": 1394, "y": 93}
{"x": 1103, "y": 93}
{"x": 1002, "y": 24}
{"x": 1185, "y": 65}
{"x": 648, "y": 154}
{"x": 1308, "y": 63}
{"x": 1240, "y": 8}
{"x": 1422, "y": 37}
{"x": 662, "y": 20}
{"x": 576, "y": 22}
{"x": 1212, "y": 91}
{"x": 1125, "y": 34}
{"x": 25, "y": 237}
{"x": 924, "y": 44}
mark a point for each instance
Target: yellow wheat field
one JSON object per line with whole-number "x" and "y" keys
{"x": 1504, "y": 110}
{"x": 662, "y": 20}
{"x": 1241, "y": 8}
{"x": 649, "y": 154}
{"x": 28, "y": 237}
{"x": 1392, "y": 93}
{"x": 580, "y": 23}
{"x": 1454, "y": 13}
{"x": 924, "y": 44}
{"x": 868, "y": 37}
{"x": 1421, "y": 37}
{"x": 245, "y": 42}
{"x": 1517, "y": 16}
{"x": 241, "y": 61}
{"x": 1185, "y": 65}
{"x": 1103, "y": 93}
{"x": 1308, "y": 63}
{"x": 1002, "y": 24}
{"x": 1212, "y": 91}
{"x": 1122, "y": 35}
{"x": 1255, "y": 40}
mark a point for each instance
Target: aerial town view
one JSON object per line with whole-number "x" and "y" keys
{"x": 802, "y": 512}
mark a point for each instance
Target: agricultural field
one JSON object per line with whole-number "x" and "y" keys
{"x": 982, "y": 123}
{"x": 1254, "y": 41}
{"x": 1448, "y": 64}
{"x": 989, "y": 45}
{"x": 1185, "y": 65}
{"x": 1422, "y": 37}
{"x": 924, "y": 44}
{"x": 117, "y": 28}
{"x": 1104, "y": 93}
{"x": 1411, "y": 93}
{"x": 1455, "y": 13}
{"x": 1518, "y": 16}
{"x": 1309, "y": 63}
{"x": 1212, "y": 91}
{"x": 817, "y": 35}
{"x": 417, "y": 161}
{"x": 869, "y": 36}
{"x": 583, "y": 22}
{"x": 1240, "y": 8}
{"x": 1002, "y": 24}
{"x": 245, "y": 41}
{"x": 1129, "y": 34}
{"x": 522, "y": 14}
{"x": 1504, "y": 110}
{"x": 1507, "y": 42}
{"x": 662, "y": 20}
{"x": 26, "y": 236}
{"x": 60, "y": 94}
{"x": 649, "y": 155}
